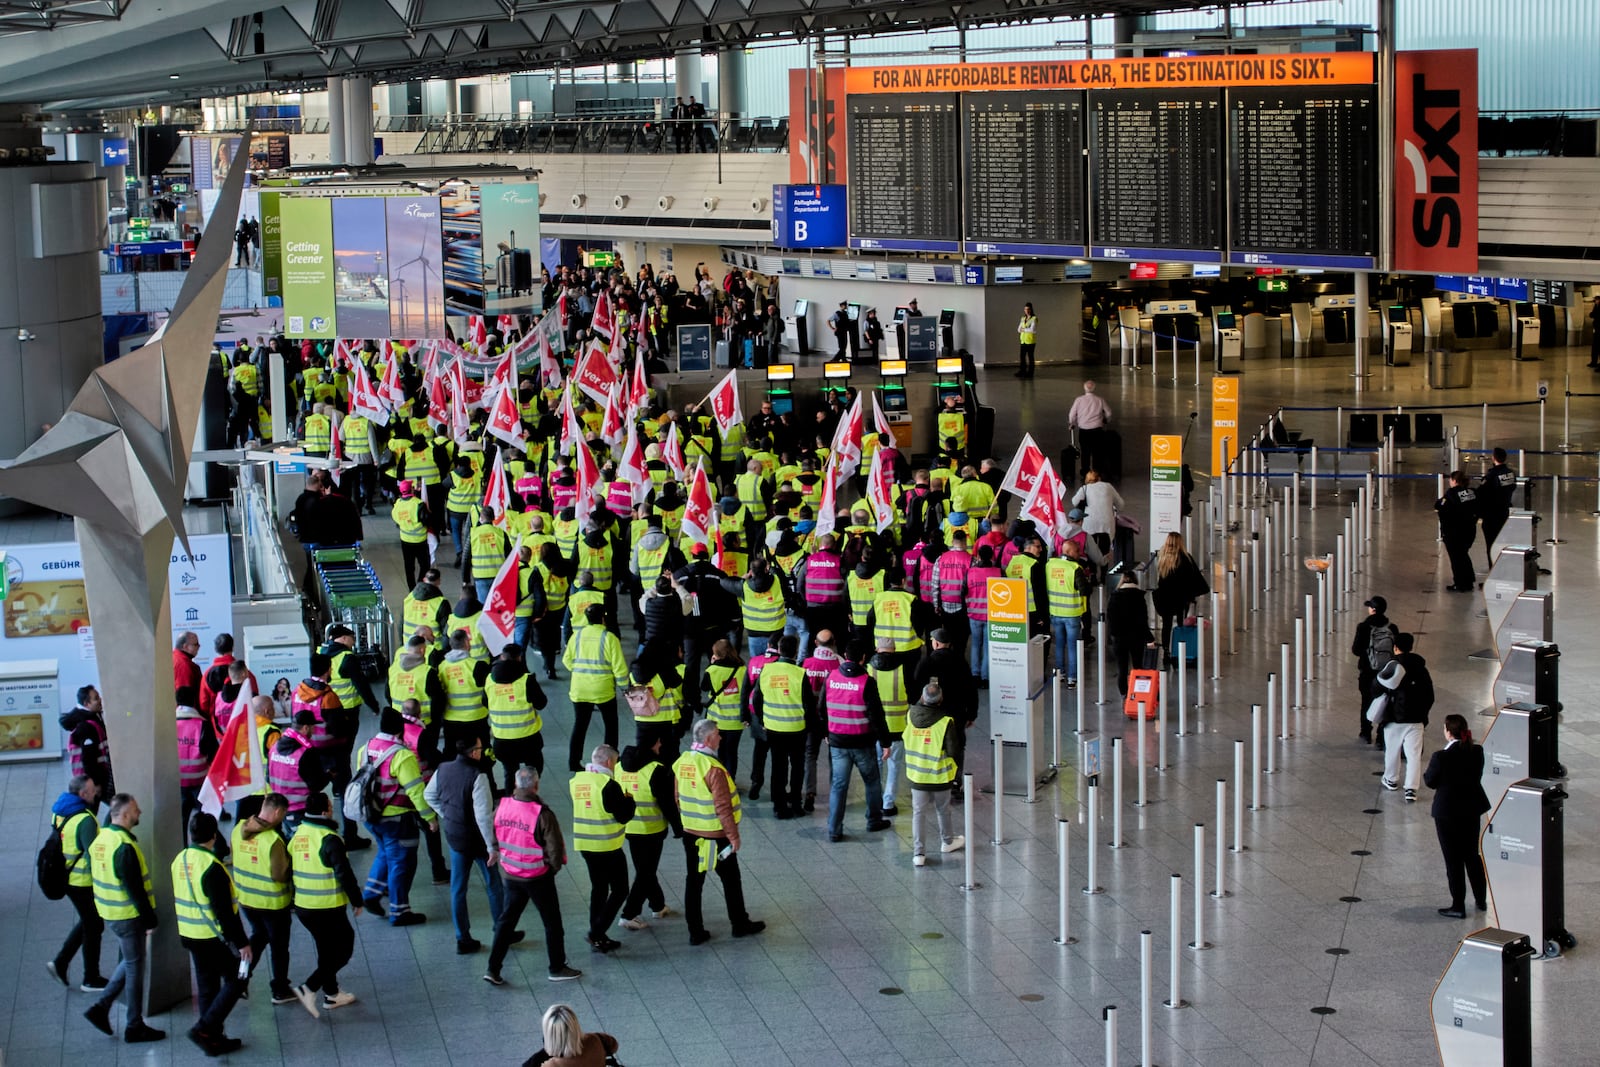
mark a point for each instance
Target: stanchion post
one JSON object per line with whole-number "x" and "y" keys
{"x": 1216, "y": 638}
{"x": 1238, "y": 796}
{"x": 1311, "y": 490}
{"x": 1063, "y": 922}
{"x": 1082, "y": 686}
{"x": 1255, "y": 757}
{"x": 1222, "y": 814}
{"x": 999, "y": 837}
{"x": 1233, "y": 601}
{"x": 1272, "y": 703}
{"x": 1199, "y": 943}
{"x": 1175, "y": 953}
{"x": 1141, "y": 754}
{"x": 1555, "y": 511}
{"x": 1100, "y": 660}
{"x": 1200, "y": 661}
{"x": 1183, "y": 688}
{"x": 1146, "y": 980}
{"x": 1161, "y": 723}
{"x": 1327, "y": 615}
{"x": 1116, "y": 794}
{"x": 1109, "y": 1014}
{"x": 1310, "y": 618}
{"x": 1284, "y": 661}
{"x": 1055, "y": 714}
{"x": 1294, "y": 523}
{"x": 1092, "y": 863}
{"x": 969, "y": 825}
{"x": 1299, "y": 667}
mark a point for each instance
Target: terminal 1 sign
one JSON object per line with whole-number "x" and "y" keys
{"x": 808, "y": 216}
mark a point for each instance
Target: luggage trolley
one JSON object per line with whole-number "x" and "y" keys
{"x": 350, "y": 594}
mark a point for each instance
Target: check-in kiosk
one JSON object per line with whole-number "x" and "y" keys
{"x": 797, "y": 326}
{"x": 780, "y": 387}
{"x": 1173, "y": 318}
{"x": 1519, "y": 529}
{"x": 1227, "y": 341}
{"x": 1472, "y": 322}
{"x": 1524, "y": 859}
{"x": 1530, "y": 674}
{"x": 947, "y": 333}
{"x": 1522, "y": 742}
{"x": 1327, "y": 327}
{"x": 901, "y": 313}
{"x": 835, "y": 382}
{"x": 1525, "y": 336}
{"x": 1431, "y": 313}
{"x": 1397, "y": 335}
{"x": 1515, "y": 571}
{"x": 1482, "y": 1006}
{"x": 854, "y": 314}
{"x": 897, "y": 405}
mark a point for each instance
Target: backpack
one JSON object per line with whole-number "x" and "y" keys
{"x": 363, "y": 799}
{"x": 1416, "y": 692}
{"x": 642, "y": 702}
{"x": 51, "y": 867}
{"x": 1380, "y": 647}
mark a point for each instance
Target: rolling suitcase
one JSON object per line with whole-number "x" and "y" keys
{"x": 513, "y": 271}
{"x": 1144, "y": 687}
{"x": 1187, "y": 635}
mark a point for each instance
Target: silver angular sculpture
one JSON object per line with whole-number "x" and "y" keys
{"x": 117, "y": 462}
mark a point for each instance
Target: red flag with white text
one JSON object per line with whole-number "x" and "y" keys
{"x": 672, "y": 453}
{"x": 1043, "y": 505}
{"x": 880, "y": 491}
{"x": 594, "y": 373}
{"x": 1023, "y": 470}
{"x": 602, "y": 322}
{"x": 588, "y": 482}
{"x": 828, "y": 506}
{"x": 699, "y": 519}
{"x": 613, "y": 425}
{"x": 505, "y": 419}
{"x": 499, "y": 618}
{"x": 237, "y": 769}
{"x": 725, "y": 402}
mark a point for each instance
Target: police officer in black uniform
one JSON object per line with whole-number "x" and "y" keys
{"x": 1458, "y": 526}
{"x": 1495, "y": 493}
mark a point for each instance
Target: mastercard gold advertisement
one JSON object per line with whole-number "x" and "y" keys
{"x": 49, "y": 608}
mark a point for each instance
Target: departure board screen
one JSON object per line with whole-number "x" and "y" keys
{"x": 1024, "y": 173}
{"x": 1157, "y": 164}
{"x": 905, "y": 171}
{"x": 1304, "y": 175}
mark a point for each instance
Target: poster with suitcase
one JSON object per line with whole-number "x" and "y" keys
{"x": 510, "y": 226}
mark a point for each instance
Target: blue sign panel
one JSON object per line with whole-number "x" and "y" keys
{"x": 809, "y": 216}
{"x": 114, "y": 153}
{"x": 1301, "y": 259}
{"x": 694, "y": 348}
{"x": 1483, "y": 285}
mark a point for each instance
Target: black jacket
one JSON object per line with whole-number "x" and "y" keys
{"x": 1363, "y": 638}
{"x": 1411, "y": 697}
{"x": 718, "y": 609}
{"x": 1127, "y": 618}
{"x": 949, "y": 668}
{"x": 507, "y": 672}
{"x": 335, "y": 858}
{"x": 660, "y": 782}
{"x": 1455, "y": 774}
{"x": 1458, "y": 514}
{"x": 87, "y": 733}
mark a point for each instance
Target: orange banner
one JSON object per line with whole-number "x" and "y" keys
{"x": 1205, "y": 72}
{"x": 816, "y": 128}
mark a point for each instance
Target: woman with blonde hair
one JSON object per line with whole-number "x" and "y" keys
{"x": 566, "y": 1045}
{"x": 1100, "y": 502}
{"x": 1178, "y": 583}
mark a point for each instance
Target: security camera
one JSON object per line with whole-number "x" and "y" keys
{"x": 24, "y": 336}
{"x": 664, "y": 203}
{"x": 578, "y": 199}
{"x": 619, "y": 201}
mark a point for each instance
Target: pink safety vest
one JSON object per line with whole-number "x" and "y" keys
{"x": 520, "y": 854}
{"x": 978, "y": 591}
{"x": 283, "y": 772}
{"x": 752, "y": 669}
{"x": 380, "y": 749}
{"x": 319, "y": 738}
{"x": 563, "y": 496}
{"x": 619, "y": 499}
{"x": 191, "y": 764}
{"x": 824, "y": 578}
{"x": 529, "y": 486}
{"x": 818, "y": 667}
{"x": 847, "y": 703}
{"x": 953, "y": 568}
{"x": 75, "y": 754}
{"x": 412, "y": 735}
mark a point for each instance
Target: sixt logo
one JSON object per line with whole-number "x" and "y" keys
{"x": 417, "y": 211}
{"x": 1435, "y": 126}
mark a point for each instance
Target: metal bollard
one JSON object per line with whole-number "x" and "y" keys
{"x": 1299, "y": 667}
{"x": 1082, "y": 688}
{"x": 1255, "y": 576}
{"x": 1283, "y": 672}
{"x": 1272, "y": 702}
{"x": 1327, "y": 615}
{"x": 1199, "y": 943}
{"x": 1232, "y": 604}
{"x": 1146, "y": 962}
{"x": 999, "y": 837}
{"x": 1110, "y": 1017}
{"x": 969, "y": 825}
{"x": 1161, "y": 723}
{"x": 1222, "y": 810}
{"x": 1055, "y": 714}
{"x": 1216, "y": 638}
{"x": 1366, "y": 509}
{"x": 1116, "y": 794}
{"x": 1141, "y": 753}
{"x": 1183, "y": 688}
{"x": 1094, "y": 836}
{"x": 1100, "y": 659}
{"x": 1255, "y": 758}
{"x": 1200, "y": 661}
{"x": 1310, "y": 617}
{"x": 1266, "y": 548}
{"x": 1175, "y": 953}
{"x": 1238, "y": 796}
{"x": 1064, "y": 929}
{"x": 1311, "y": 489}
{"x": 1555, "y": 511}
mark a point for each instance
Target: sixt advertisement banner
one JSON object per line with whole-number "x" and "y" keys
{"x": 1436, "y": 162}
{"x": 809, "y": 216}
{"x": 1330, "y": 68}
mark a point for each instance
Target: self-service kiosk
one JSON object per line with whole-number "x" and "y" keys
{"x": 1482, "y": 1006}
{"x": 1173, "y": 318}
{"x": 1519, "y": 529}
{"x": 1524, "y": 858}
{"x": 835, "y": 382}
{"x": 896, "y": 405}
{"x": 901, "y": 313}
{"x": 1397, "y": 335}
{"x": 1471, "y": 321}
{"x": 780, "y": 387}
{"x": 1522, "y": 742}
{"x": 1130, "y": 323}
{"x": 1515, "y": 570}
{"x": 1327, "y": 326}
{"x": 1530, "y": 674}
{"x": 798, "y": 329}
{"x": 1525, "y": 336}
{"x": 1227, "y": 337}
{"x": 947, "y": 333}
{"x": 855, "y": 313}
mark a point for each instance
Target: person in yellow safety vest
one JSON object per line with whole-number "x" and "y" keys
{"x": 596, "y": 552}
{"x": 410, "y": 515}
{"x": 398, "y": 822}
{"x": 601, "y": 809}
{"x": 730, "y": 450}
{"x": 515, "y": 700}
{"x": 413, "y": 676}
{"x": 73, "y": 818}
{"x": 462, "y": 679}
{"x": 460, "y": 502}
{"x": 653, "y": 555}
{"x": 425, "y": 605}
{"x": 598, "y": 668}
{"x": 655, "y": 692}
{"x": 786, "y": 707}
{"x": 1067, "y": 581}
{"x": 425, "y": 462}
{"x": 210, "y": 930}
{"x": 316, "y": 431}
{"x": 309, "y": 378}
{"x": 324, "y": 885}
{"x": 708, "y": 800}
{"x": 1027, "y": 565}
{"x": 899, "y": 614}
{"x": 645, "y": 778}
{"x": 125, "y": 902}
{"x": 754, "y": 491}
{"x": 888, "y": 674}
{"x": 762, "y": 453}
{"x": 933, "y": 748}
{"x": 952, "y": 422}
{"x": 973, "y": 495}
{"x": 261, "y": 873}
{"x": 487, "y": 548}
{"x": 464, "y": 616}
{"x": 245, "y": 376}
{"x": 537, "y": 535}
{"x": 763, "y": 604}
{"x": 555, "y": 579}
{"x": 1027, "y": 334}
{"x": 355, "y": 434}
{"x": 565, "y": 529}
{"x": 531, "y": 604}
{"x": 733, "y": 560}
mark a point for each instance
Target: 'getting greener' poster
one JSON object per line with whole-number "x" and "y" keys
{"x": 307, "y": 238}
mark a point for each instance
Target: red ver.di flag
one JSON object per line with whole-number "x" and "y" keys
{"x": 697, "y": 510}
{"x": 601, "y": 322}
{"x": 236, "y": 770}
{"x": 1043, "y": 505}
{"x": 725, "y": 403}
{"x": 499, "y": 618}
{"x": 1023, "y": 469}
{"x": 594, "y": 373}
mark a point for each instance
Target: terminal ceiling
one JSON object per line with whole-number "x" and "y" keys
{"x": 109, "y": 53}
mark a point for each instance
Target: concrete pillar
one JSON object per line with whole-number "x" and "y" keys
{"x": 686, "y": 74}
{"x": 358, "y": 121}
{"x": 452, "y": 97}
{"x": 730, "y": 83}
{"x": 336, "y": 120}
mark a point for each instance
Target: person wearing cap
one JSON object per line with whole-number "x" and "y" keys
{"x": 839, "y": 323}
{"x": 210, "y": 930}
{"x": 946, "y": 667}
{"x": 1371, "y": 657}
{"x": 411, "y": 516}
{"x": 934, "y": 746}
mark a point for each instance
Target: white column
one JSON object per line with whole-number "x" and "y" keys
{"x": 686, "y": 74}
{"x": 336, "y": 145}
{"x": 730, "y": 82}
{"x": 358, "y": 121}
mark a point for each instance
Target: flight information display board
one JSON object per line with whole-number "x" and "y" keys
{"x": 1156, "y": 160}
{"x": 1303, "y": 170}
{"x": 1024, "y": 186}
{"x": 905, "y": 171}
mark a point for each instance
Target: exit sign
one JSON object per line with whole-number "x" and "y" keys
{"x": 1273, "y": 285}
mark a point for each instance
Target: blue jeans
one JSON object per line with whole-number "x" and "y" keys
{"x": 1065, "y": 633}
{"x": 864, "y": 760}
{"x": 130, "y": 935}
{"x": 891, "y": 770}
{"x": 482, "y": 586}
{"x": 519, "y": 631}
{"x": 458, "y": 530}
{"x": 758, "y": 645}
{"x": 394, "y": 863}
{"x": 796, "y": 625}
{"x": 979, "y": 648}
{"x": 460, "y": 874}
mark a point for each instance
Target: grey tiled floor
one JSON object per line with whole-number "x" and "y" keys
{"x": 978, "y": 976}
